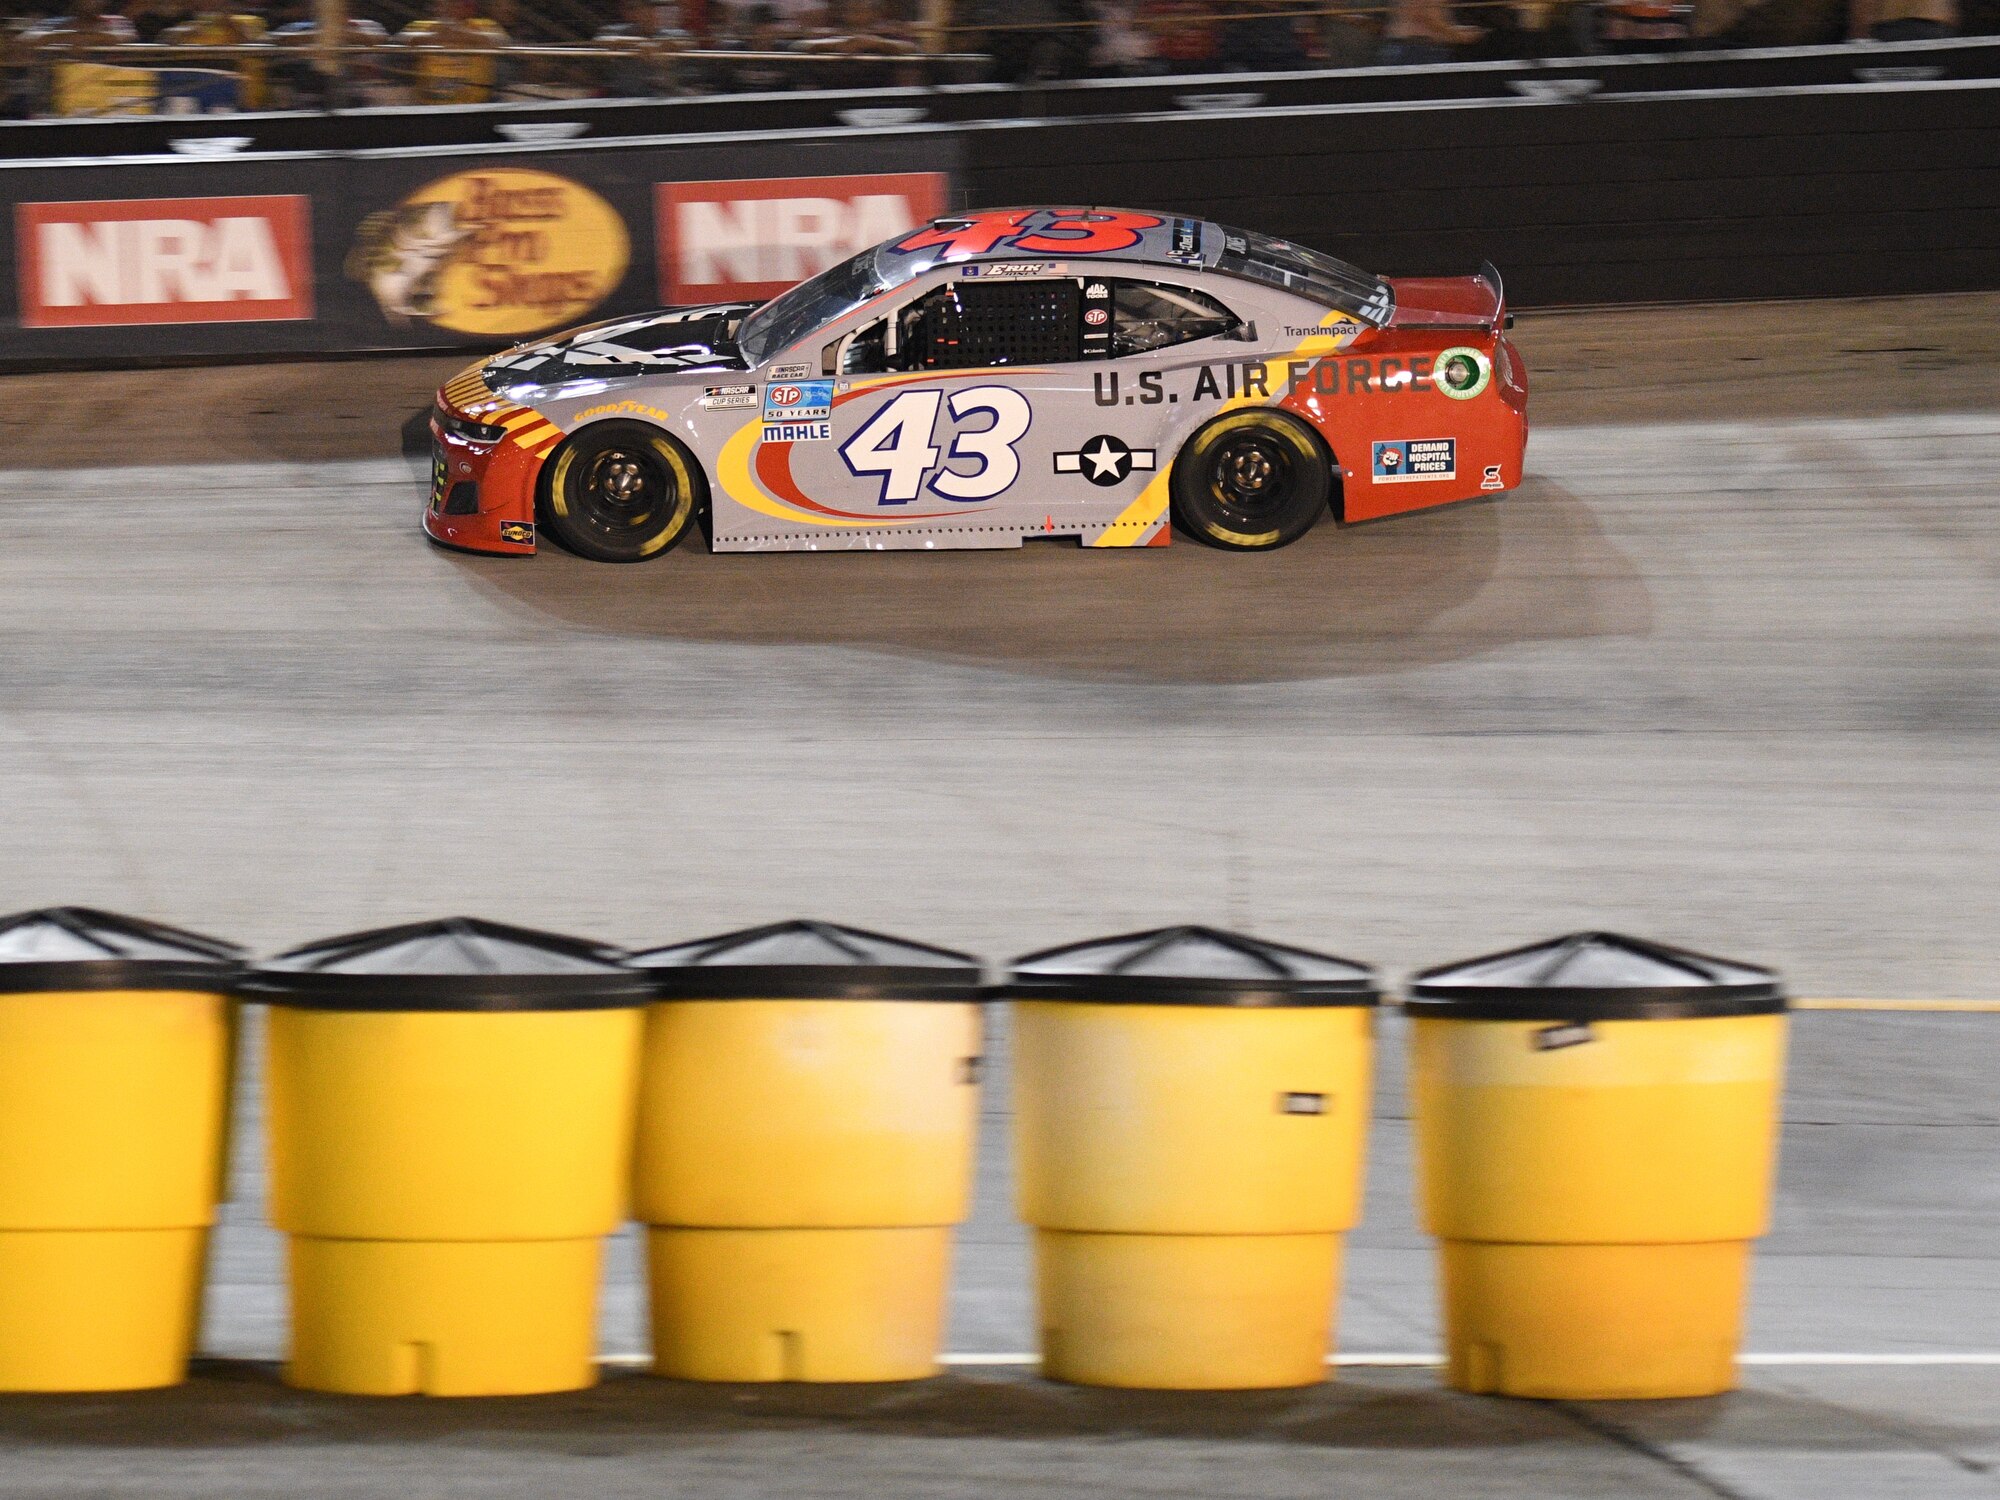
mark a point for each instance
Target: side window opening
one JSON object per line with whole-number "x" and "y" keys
{"x": 862, "y": 353}
{"x": 1146, "y": 317}
{"x": 972, "y": 323}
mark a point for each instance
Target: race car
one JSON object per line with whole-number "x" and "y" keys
{"x": 1091, "y": 374}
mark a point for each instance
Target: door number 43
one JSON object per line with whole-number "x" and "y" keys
{"x": 896, "y": 444}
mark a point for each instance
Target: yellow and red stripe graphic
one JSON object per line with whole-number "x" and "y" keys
{"x": 525, "y": 427}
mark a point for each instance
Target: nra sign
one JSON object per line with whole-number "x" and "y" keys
{"x": 164, "y": 260}
{"x": 752, "y": 238}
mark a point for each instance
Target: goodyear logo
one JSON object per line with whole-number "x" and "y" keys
{"x": 506, "y": 251}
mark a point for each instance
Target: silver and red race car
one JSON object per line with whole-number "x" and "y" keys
{"x": 992, "y": 377}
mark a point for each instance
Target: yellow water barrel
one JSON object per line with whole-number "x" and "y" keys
{"x": 807, "y": 1115}
{"x": 1596, "y": 1133}
{"x": 115, "y": 1051}
{"x": 1190, "y": 1121}
{"x": 450, "y": 1109}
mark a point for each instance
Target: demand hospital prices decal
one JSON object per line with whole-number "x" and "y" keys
{"x": 501, "y": 252}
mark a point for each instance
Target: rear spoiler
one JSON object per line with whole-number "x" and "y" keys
{"x": 1490, "y": 274}
{"x": 1442, "y": 304}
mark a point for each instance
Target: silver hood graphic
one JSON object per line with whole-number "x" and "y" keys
{"x": 677, "y": 339}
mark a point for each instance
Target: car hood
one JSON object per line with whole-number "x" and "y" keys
{"x": 671, "y": 341}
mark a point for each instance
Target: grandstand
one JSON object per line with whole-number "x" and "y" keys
{"x": 190, "y": 57}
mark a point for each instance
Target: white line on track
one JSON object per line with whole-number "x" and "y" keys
{"x": 1968, "y": 1006}
{"x": 1394, "y": 1360}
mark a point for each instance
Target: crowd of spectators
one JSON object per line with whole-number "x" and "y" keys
{"x": 472, "y": 51}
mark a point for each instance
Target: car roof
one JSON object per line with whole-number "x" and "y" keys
{"x": 1179, "y": 240}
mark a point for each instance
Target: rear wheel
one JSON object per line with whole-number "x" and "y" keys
{"x": 1250, "y": 481}
{"x": 621, "y": 492}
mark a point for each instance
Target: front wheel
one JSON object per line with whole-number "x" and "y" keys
{"x": 1250, "y": 481}
{"x": 621, "y": 492}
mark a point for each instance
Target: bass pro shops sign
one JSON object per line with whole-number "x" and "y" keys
{"x": 504, "y": 252}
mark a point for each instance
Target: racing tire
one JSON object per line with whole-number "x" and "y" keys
{"x": 621, "y": 492}
{"x": 1250, "y": 481}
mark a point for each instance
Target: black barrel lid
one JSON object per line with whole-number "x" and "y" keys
{"x": 1189, "y": 966}
{"x": 812, "y": 961}
{"x": 456, "y": 963}
{"x": 81, "y": 948}
{"x": 1594, "y": 976}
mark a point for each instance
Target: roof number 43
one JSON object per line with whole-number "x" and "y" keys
{"x": 896, "y": 444}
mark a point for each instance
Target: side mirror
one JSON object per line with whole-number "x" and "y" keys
{"x": 1243, "y": 333}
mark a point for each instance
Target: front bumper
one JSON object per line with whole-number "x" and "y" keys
{"x": 482, "y": 496}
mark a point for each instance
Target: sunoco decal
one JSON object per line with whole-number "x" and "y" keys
{"x": 506, "y": 251}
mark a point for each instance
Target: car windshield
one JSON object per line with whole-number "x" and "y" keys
{"x": 790, "y": 316}
{"x": 1320, "y": 277}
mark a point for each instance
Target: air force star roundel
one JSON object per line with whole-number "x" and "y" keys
{"x": 1104, "y": 460}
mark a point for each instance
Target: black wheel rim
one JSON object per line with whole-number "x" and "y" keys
{"x": 621, "y": 492}
{"x": 1250, "y": 477}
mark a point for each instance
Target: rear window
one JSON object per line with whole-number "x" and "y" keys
{"x": 1146, "y": 317}
{"x": 1311, "y": 274}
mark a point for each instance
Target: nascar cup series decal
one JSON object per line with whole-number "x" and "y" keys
{"x": 1407, "y": 459}
{"x": 798, "y": 412}
{"x": 504, "y": 251}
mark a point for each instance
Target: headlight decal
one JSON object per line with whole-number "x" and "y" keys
{"x": 465, "y": 427}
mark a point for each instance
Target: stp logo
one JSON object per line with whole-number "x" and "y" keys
{"x": 164, "y": 260}
{"x": 753, "y": 237}
{"x": 786, "y": 395}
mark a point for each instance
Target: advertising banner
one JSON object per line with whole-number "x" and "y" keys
{"x": 250, "y": 255}
{"x": 492, "y": 252}
{"x": 164, "y": 260}
{"x": 750, "y": 238}
{"x": 85, "y": 88}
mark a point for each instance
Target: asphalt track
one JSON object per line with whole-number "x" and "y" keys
{"x": 1724, "y": 672}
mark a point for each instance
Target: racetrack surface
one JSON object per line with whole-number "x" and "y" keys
{"x": 1723, "y": 672}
